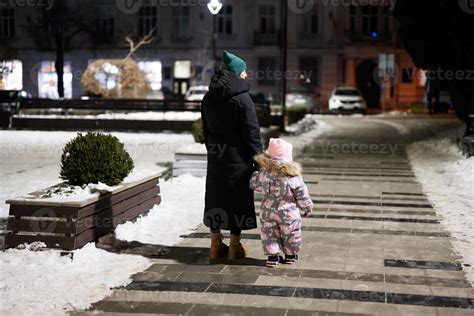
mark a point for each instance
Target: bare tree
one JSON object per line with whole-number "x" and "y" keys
{"x": 147, "y": 39}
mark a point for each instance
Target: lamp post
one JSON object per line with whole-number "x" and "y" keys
{"x": 284, "y": 48}
{"x": 214, "y": 7}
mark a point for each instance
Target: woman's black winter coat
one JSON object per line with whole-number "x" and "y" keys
{"x": 232, "y": 137}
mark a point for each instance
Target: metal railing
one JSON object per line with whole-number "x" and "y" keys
{"x": 117, "y": 104}
{"x": 111, "y": 104}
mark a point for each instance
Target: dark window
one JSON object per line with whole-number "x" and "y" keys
{"x": 353, "y": 19}
{"x": 266, "y": 71}
{"x": 267, "y": 16}
{"x": 407, "y": 75}
{"x": 310, "y": 68}
{"x": 386, "y": 19}
{"x": 314, "y": 24}
{"x": 166, "y": 73}
{"x": 147, "y": 19}
{"x": 105, "y": 22}
{"x": 369, "y": 20}
{"x": 7, "y": 23}
{"x": 181, "y": 21}
{"x": 224, "y": 20}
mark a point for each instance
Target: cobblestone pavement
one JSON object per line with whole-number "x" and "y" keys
{"x": 374, "y": 245}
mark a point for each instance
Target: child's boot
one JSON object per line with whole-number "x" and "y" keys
{"x": 218, "y": 248}
{"x": 274, "y": 261}
{"x": 291, "y": 259}
{"x": 236, "y": 249}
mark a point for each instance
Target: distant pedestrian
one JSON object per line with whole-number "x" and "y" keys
{"x": 232, "y": 138}
{"x": 284, "y": 195}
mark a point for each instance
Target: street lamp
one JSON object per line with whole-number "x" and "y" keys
{"x": 214, "y": 7}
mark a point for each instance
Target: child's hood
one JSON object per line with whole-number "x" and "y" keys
{"x": 265, "y": 163}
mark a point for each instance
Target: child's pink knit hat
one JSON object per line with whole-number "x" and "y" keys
{"x": 280, "y": 150}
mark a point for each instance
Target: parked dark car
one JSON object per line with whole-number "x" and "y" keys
{"x": 9, "y": 103}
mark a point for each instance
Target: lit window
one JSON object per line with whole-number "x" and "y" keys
{"x": 11, "y": 75}
{"x": 152, "y": 69}
{"x": 48, "y": 81}
{"x": 182, "y": 69}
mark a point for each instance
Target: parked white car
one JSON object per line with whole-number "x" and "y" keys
{"x": 302, "y": 98}
{"x": 196, "y": 93}
{"x": 346, "y": 99}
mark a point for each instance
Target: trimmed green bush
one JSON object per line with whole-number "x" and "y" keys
{"x": 295, "y": 114}
{"x": 264, "y": 117}
{"x": 198, "y": 131}
{"x": 94, "y": 158}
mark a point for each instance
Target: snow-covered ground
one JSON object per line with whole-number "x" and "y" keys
{"x": 30, "y": 160}
{"x": 304, "y": 132}
{"x": 141, "y": 116}
{"x": 34, "y": 282}
{"x": 44, "y": 283}
{"x": 448, "y": 181}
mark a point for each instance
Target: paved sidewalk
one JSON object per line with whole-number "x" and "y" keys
{"x": 374, "y": 246}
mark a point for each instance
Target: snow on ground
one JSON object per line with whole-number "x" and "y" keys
{"x": 141, "y": 116}
{"x": 392, "y": 114}
{"x": 46, "y": 283}
{"x": 34, "y": 282}
{"x": 448, "y": 181}
{"x": 179, "y": 212}
{"x": 30, "y": 160}
{"x": 76, "y": 193}
{"x": 311, "y": 127}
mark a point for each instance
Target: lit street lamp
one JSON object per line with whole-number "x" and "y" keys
{"x": 214, "y": 7}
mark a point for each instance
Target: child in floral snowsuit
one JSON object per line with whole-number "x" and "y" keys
{"x": 284, "y": 194}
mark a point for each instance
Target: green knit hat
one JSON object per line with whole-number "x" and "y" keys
{"x": 234, "y": 63}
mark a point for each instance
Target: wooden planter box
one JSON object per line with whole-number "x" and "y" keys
{"x": 71, "y": 225}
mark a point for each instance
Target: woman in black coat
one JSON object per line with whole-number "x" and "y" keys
{"x": 232, "y": 138}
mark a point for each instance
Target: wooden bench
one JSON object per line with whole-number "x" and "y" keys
{"x": 71, "y": 225}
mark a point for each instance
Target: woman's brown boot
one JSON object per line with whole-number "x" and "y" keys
{"x": 218, "y": 248}
{"x": 236, "y": 249}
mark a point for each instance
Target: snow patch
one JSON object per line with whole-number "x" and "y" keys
{"x": 179, "y": 213}
{"x": 46, "y": 283}
{"x": 192, "y": 149}
{"x": 312, "y": 128}
{"x": 448, "y": 181}
{"x": 140, "y": 116}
